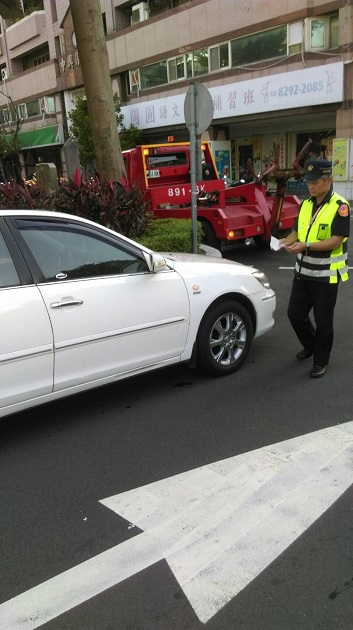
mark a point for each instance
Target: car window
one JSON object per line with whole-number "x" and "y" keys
{"x": 65, "y": 250}
{"x": 8, "y": 274}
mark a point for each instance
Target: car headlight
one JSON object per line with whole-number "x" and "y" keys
{"x": 261, "y": 277}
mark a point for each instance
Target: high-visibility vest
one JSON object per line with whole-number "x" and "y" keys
{"x": 323, "y": 266}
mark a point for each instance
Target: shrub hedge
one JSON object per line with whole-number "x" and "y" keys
{"x": 170, "y": 235}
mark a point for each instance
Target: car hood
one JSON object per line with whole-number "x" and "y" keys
{"x": 198, "y": 258}
{"x": 214, "y": 271}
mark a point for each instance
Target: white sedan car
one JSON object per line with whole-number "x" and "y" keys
{"x": 82, "y": 306}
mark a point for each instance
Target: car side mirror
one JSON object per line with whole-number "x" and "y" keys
{"x": 155, "y": 262}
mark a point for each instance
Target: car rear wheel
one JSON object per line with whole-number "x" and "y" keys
{"x": 224, "y": 338}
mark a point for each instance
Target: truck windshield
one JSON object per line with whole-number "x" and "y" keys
{"x": 167, "y": 159}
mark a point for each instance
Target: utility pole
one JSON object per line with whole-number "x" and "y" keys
{"x": 93, "y": 54}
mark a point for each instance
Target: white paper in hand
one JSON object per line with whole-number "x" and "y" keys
{"x": 275, "y": 244}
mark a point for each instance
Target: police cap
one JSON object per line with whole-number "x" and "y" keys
{"x": 315, "y": 169}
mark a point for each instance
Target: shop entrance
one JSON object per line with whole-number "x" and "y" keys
{"x": 243, "y": 152}
{"x": 321, "y": 146}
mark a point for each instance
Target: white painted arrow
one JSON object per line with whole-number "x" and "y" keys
{"x": 217, "y": 526}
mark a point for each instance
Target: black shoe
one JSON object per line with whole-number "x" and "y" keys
{"x": 318, "y": 371}
{"x": 305, "y": 354}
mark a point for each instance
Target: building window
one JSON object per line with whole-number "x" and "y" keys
{"x": 295, "y": 38}
{"x": 219, "y": 57}
{"x": 62, "y": 44}
{"x": 4, "y": 116}
{"x": 34, "y": 60}
{"x": 37, "y": 61}
{"x": 322, "y": 33}
{"x": 200, "y": 62}
{"x": 21, "y": 110}
{"x": 33, "y": 108}
{"x": 259, "y": 46}
{"x": 50, "y": 104}
{"x": 159, "y": 6}
{"x": 176, "y": 68}
{"x": 153, "y": 75}
{"x": 334, "y": 31}
{"x": 317, "y": 34}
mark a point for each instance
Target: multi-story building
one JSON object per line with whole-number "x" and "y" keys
{"x": 275, "y": 72}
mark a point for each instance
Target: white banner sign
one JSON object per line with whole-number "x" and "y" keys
{"x": 310, "y": 86}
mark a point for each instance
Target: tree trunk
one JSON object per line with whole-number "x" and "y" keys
{"x": 93, "y": 54}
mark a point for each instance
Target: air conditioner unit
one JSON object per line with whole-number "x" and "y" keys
{"x": 140, "y": 12}
{"x": 4, "y": 74}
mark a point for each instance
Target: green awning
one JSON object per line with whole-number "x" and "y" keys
{"x": 45, "y": 136}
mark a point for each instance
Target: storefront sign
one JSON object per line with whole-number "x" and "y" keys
{"x": 340, "y": 159}
{"x": 351, "y": 160}
{"x": 301, "y": 88}
{"x": 45, "y": 136}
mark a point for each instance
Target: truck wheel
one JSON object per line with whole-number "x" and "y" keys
{"x": 224, "y": 338}
{"x": 261, "y": 242}
{"x": 209, "y": 237}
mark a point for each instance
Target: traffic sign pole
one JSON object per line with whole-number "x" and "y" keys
{"x": 193, "y": 166}
{"x": 198, "y": 112}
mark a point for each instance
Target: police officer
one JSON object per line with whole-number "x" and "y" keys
{"x": 319, "y": 240}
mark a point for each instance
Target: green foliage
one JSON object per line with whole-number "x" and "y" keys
{"x": 170, "y": 235}
{"x": 129, "y": 137}
{"x": 9, "y": 144}
{"x": 32, "y": 5}
{"x": 81, "y": 132}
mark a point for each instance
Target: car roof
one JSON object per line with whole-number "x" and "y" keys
{"x": 39, "y": 213}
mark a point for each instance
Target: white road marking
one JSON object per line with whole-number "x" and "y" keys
{"x": 286, "y": 268}
{"x": 217, "y": 526}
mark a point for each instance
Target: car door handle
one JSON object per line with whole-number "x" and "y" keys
{"x": 68, "y": 303}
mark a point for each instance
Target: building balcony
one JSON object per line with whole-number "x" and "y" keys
{"x": 26, "y": 34}
{"x": 30, "y": 84}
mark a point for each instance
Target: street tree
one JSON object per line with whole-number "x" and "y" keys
{"x": 92, "y": 50}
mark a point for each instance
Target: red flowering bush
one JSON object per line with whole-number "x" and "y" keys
{"x": 103, "y": 202}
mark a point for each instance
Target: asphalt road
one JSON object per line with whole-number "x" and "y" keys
{"x": 59, "y": 461}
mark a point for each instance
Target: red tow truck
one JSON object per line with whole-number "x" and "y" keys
{"x": 230, "y": 214}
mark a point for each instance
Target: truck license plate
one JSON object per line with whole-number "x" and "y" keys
{"x": 154, "y": 173}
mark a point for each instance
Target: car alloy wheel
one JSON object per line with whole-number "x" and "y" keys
{"x": 224, "y": 338}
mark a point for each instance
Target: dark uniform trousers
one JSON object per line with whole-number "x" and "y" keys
{"x": 321, "y": 297}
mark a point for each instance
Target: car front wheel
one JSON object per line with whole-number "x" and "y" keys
{"x": 224, "y": 338}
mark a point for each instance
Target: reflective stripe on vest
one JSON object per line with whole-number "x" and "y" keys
{"x": 323, "y": 266}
